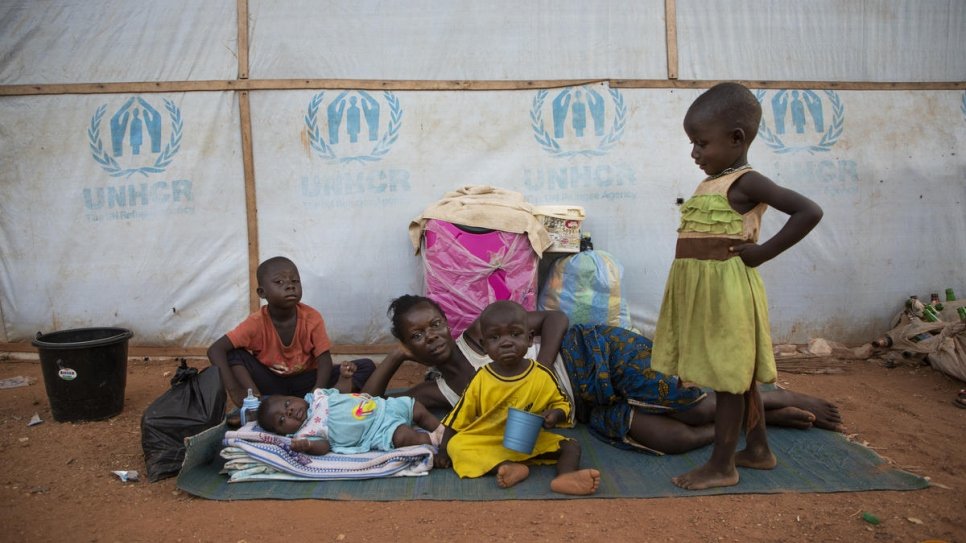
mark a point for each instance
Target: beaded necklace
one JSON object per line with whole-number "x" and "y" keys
{"x": 726, "y": 171}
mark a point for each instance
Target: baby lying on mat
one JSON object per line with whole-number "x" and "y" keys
{"x": 327, "y": 420}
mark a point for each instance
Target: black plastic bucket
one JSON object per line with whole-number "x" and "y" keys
{"x": 85, "y": 371}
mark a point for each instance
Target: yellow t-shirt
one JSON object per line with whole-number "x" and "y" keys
{"x": 480, "y": 417}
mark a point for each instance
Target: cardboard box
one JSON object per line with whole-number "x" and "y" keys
{"x": 563, "y": 224}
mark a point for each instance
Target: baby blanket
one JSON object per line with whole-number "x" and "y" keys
{"x": 252, "y": 454}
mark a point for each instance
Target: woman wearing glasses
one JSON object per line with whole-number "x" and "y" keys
{"x": 421, "y": 327}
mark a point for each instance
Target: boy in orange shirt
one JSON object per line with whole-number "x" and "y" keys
{"x": 283, "y": 348}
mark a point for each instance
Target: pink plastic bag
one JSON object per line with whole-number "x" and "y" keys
{"x": 465, "y": 272}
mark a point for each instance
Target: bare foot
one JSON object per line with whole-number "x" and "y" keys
{"x": 436, "y": 436}
{"x": 706, "y": 477}
{"x": 756, "y": 459}
{"x": 826, "y": 413}
{"x": 576, "y": 483}
{"x": 511, "y": 473}
{"x": 790, "y": 417}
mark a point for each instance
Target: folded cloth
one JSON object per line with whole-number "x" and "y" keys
{"x": 483, "y": 206}
{"x": 252, "y": 454}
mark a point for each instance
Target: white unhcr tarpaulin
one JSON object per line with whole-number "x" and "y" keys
{"x": 108, "y": 216}
{"x": 128, "y": 208}
{"x": 342, "y": 214}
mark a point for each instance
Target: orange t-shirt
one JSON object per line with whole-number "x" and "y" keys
{"x": 257, "y": 334}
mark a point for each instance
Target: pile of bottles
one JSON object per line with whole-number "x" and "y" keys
{"x": 926, "y": 312}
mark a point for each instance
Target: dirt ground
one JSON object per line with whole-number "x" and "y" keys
{"x": 58, "y": 485}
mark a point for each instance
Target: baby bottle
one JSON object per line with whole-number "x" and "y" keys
{"x": 249, "y": 407}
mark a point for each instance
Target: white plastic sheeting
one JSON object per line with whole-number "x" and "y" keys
{"x": 106, "y": 41}
{"x": 64, "y": 41}
{"x": 892, "y": 191}
{"x": 159, "y": 248}
{"x": 61, "y": 41}
{"x": 823, "y": 40}
{"x": 464, "y": 39}
{"x": 129, "y": 209}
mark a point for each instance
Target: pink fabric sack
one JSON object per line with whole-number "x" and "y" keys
{"x": 465, "y": 272}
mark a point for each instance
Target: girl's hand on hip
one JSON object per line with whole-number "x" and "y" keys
{"x": 751, "y": 254}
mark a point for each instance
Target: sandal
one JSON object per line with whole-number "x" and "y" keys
{"x": 960, "y": 400}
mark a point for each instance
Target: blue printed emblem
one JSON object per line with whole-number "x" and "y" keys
{"x": 799, "y": 118}
{"x": 353, "y": 122}
{"x": 135, "y": 138}
{"x": 582, "y": 122}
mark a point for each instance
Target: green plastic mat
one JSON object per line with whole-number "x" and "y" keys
{"x": 808, "y": 461}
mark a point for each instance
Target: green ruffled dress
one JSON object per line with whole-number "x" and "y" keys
{"x": 713, "y": 326}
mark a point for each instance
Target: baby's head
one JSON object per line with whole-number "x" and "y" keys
{"x": 506, "y": 336}
{"x": 282, "y": 415}
{"x": 279, "y": 282}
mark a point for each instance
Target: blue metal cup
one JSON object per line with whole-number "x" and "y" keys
{"x": 522, "y": 429}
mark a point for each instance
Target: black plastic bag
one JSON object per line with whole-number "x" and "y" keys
{"x": 195, "y": 402}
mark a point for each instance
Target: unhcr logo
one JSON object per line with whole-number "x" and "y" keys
{"x": 800, "y": 120}
{"x": 581, "y": 120}
{"x": 135, "y": 139}
{"x": 354, "y": 126}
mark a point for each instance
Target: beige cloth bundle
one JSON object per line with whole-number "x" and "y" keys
{"x": 483, "y": 206}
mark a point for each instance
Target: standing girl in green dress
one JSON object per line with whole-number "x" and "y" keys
{"x": 713, "y": 326}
